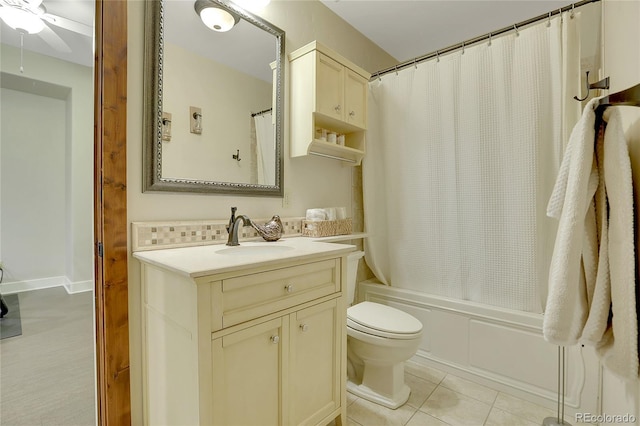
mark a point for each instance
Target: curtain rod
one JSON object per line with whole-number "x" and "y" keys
{"x": 486, "y": 36}
{"x": 264, "y": 111}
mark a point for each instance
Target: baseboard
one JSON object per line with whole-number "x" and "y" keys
{"x": 42, "y": 283}
{"x": 78, "y": 286}
{"x": 28, "y": 285}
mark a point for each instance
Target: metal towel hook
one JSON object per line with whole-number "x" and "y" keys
{"x": 602, "y": 84}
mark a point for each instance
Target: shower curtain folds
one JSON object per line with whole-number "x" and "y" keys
{"x": 469, "y": 147}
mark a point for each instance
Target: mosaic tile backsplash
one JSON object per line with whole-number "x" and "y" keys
{"x": 161, "y": 235}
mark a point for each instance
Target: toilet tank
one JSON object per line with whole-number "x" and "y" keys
{"x": 352, "y": 272}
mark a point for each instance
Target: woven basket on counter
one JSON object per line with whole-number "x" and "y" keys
{"x": 326, "y": 228}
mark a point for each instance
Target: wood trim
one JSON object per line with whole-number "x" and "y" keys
{"x": 110, "y": 213}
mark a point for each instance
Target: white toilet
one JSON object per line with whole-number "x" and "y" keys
{"x": 379, "y": 340}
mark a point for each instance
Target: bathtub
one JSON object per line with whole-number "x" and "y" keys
{"x": 500, "y": 348}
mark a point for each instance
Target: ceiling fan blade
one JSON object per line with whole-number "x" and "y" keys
{"x": 54, "y": 40}
{"x": 68, "y": 24}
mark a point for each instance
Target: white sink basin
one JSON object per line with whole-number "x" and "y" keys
{"x": 254, "y": 250}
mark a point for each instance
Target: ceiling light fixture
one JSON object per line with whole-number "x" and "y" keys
{"x": 214, "y": 16}
{"x": 21, "y": 20}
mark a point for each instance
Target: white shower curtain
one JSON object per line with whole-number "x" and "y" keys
{"x": 462, "y": 153}
{"x": 265, "y": 148}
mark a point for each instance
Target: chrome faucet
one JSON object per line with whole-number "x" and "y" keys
{"x": 233, "y": 228}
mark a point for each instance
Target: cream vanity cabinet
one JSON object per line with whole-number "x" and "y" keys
{"x": 327, "y": 92}
{"x": 252, "y": 345}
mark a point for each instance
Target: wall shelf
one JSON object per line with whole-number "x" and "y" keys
{"x": 327, "y": 92}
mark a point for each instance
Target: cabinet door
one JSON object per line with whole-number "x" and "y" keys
{"x": 315, "y": 363}
{"x": 355, "y": 99}
{"x": 329, "y": 87}
{"x": 248, "y": 375}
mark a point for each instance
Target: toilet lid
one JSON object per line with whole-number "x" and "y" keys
{"x": 375, "y": 316}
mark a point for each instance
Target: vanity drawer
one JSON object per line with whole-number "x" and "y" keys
{"x": 251, "y": 296}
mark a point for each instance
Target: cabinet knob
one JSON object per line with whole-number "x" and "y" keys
{"x": 289, "y": 288}
{"x": 338, "y": 108}
{"x": 275, "y": 339}
{"x": 352, "y": 114}
{"x": 304, "y": 327}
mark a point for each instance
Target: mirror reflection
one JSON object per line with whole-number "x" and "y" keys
{"x": 216, "y": 125}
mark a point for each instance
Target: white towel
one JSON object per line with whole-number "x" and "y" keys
{"x": 592, "y": 272}
{"x": 598, "y": 296}
{"x": 619, "y": 351}
{"x": 572, "y": 202}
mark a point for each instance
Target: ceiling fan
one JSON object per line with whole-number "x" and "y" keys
{"x": 31, "y": 17}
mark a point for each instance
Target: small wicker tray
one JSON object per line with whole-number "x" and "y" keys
{"x": 326, "y": 228}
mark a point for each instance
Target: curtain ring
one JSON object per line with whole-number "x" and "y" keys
{"x": 489, "y": 39}
{"x": 516, "y": 29}
{"x": 415, "y": 62}
{"x": 573, "y": 6}
{"x": 560, "y": 13}
{"x": 463, "y": 48}
{"x": 396, "y": 70}
{"x": 549, "y": 21}
{"x": 379, "y": 78}
{"x": 437, "y": 56}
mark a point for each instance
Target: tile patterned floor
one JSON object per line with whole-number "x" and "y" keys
{"x": 440, "y": 399}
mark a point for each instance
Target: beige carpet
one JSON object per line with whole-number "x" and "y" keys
{"x": 47, "y": 374}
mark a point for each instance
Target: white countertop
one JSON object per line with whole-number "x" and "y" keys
{"x": 206, "y": 260}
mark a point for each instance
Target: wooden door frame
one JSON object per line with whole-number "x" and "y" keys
{"x": 110, "y": 213}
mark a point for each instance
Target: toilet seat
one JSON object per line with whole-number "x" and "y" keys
{"x": 383, "y": 321}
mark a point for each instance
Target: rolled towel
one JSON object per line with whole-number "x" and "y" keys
{"x": 341, "y": 213}
{"x": 330, "y": 213}
{"x": 316, "y": 214}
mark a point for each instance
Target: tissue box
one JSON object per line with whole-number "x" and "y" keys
{"x": 326, "y": 228}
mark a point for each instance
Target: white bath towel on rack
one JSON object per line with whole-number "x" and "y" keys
{"x": 572, "y": 272}
{"x": 619, "y": 349}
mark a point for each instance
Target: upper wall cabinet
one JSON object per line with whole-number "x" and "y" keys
{"x": 328, "y": 104}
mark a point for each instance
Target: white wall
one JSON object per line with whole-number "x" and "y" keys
{"x": 41, "y": 74}
{"x": 621, "y": 35}
{"x": 33, "y": 133}
{"x": 308, "y": 181}
{"x": 227, "y": 99}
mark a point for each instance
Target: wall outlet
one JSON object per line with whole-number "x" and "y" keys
{"x": 286, "y": 199}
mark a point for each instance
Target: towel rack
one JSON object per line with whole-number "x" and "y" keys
{"x": 629, "y": 97}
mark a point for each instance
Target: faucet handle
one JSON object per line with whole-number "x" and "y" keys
{"x": 232, "y": 219}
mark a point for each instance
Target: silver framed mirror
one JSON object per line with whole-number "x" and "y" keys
{"x": 213, "y": 112}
